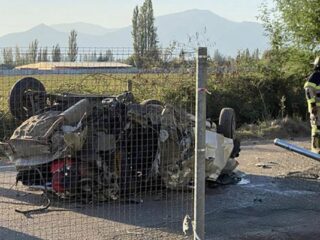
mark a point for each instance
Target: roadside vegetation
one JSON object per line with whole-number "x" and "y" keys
{"x": 287, "y": 128}
{"x": 260, "y": 86}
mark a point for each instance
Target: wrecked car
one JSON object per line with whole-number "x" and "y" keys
{"x": 104, "y": 147}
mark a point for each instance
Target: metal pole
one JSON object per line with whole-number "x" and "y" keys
{"x": 296, "y": 149}
{"x": 200, "y": 145}
{"x": 129, "y": 85}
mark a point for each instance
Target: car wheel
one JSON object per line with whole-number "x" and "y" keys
{"x": 227, "y": 123}
{"x": 20, "y": 104}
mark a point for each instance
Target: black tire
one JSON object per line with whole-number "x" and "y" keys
{"x": 19, "y": 104}
{"x": 227, "y": 123}
{"x": 151, "y": 101}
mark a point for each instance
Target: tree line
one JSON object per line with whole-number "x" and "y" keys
{"x": 34, "y": 53}
{"x": 145, "y": 45}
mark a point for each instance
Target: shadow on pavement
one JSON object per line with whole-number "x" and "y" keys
{"x": 164, "y": 211}
{"x": 8, "y": 234}
{"x": 260, "y": 207}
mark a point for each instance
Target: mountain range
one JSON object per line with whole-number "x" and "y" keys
{"x": 191, "y": 28}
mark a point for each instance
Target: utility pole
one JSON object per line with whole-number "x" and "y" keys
{"x": 200, "y": 145}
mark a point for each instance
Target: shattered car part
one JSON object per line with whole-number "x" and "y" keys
{"x": 104, "y": 147}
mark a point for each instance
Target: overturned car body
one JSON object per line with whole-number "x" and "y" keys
{"x": 105, "y": 147}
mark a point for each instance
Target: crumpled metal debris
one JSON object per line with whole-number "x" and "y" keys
{"x": 103, "y": 146}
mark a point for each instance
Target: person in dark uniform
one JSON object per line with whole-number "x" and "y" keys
{"x": 312, "y": 88}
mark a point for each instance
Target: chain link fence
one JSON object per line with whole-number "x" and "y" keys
{"x": 97, "y": 148}
{"x": 116, "y": 146}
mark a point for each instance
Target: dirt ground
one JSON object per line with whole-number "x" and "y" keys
{"x": 277, "y": 198}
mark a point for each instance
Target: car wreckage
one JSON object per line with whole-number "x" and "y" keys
{"x": 105, "y": 146}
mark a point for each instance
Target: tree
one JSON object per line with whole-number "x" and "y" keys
{"x": 93, "y": 56}
{"x": 217, "y": 57}
{"x": 7, "y": 55}
{"x": 73, "y": 47}
{"x": 33, "y": 51}
{"x": 301, "y": 19}
{"x": 276, "y": 57}
{"x": 44, "y": 56}
{"x": 256, "y": 54}
{"x": 182, "y": 56}
{"x": 18, "y": 58}
{"x": 108, "y": 57}
{"x": 144, "y": 34}
{"x": 40, "y": 55}
{"x": 135, "y": 32}
{"x": 86, "y": 57}
{"x": 56, "y": 53}
{"x": 100, "y": 58}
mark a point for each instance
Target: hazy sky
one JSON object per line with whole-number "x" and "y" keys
{"x": 20, "y": 15}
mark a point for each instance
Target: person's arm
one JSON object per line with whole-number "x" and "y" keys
{"x": 311, "y": 94}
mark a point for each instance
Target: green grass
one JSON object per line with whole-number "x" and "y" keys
{"x": 164, "y": 87}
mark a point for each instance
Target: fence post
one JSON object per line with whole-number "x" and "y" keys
{"x": 129, "y": 85}
{"x": 200, "y": 145}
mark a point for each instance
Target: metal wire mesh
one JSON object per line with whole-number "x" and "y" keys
{"x": 99, "y": 148}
